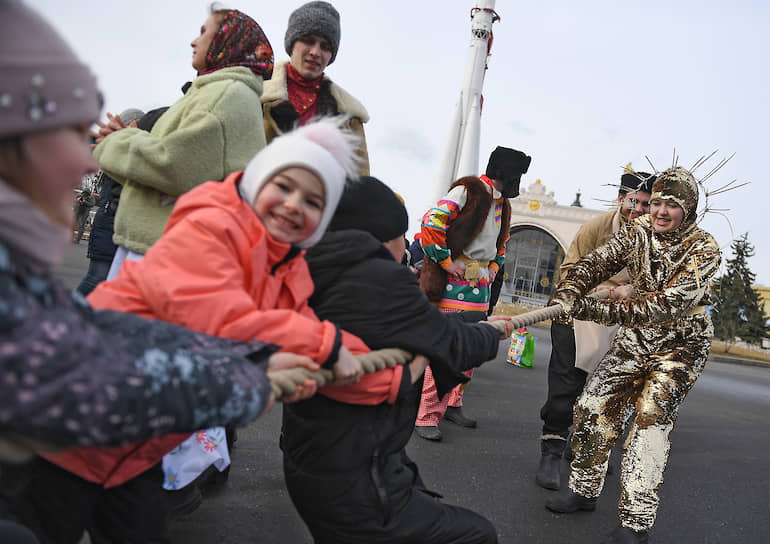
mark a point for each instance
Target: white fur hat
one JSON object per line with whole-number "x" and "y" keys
{"x": 322, "y": 147}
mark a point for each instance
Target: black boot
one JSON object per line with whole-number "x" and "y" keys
{"x": 456, "y": 416}
{"x": 569, "y": 455}
{"x": 569, "y": 501}
{"x": 624, "y": 535}
{"x": 428, "y": 432}
{"x": 548, "y": 472}
{"x": 182, "y": 502}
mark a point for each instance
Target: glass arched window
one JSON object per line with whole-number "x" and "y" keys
{"x": 532, "y": 259}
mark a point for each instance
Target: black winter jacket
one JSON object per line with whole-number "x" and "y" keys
{"x": 345, "y": 465}
{"x": 361, "y": 288}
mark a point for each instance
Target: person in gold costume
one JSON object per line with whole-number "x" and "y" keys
{"x": 657, "y": 355}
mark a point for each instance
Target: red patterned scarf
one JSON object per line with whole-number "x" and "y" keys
{"x": 240, "y": 41}
{"x": 303, "y": 94}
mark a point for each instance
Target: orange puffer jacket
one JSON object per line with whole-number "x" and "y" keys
{"x": 217, "y": 270}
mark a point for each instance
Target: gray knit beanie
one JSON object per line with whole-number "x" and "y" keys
{"x": 44, "y": 86}
{"x": 131, "y": 114}
{"x": 319, "y": 18}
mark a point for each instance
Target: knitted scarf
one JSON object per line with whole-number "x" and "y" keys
{"x": 28, "y": 232}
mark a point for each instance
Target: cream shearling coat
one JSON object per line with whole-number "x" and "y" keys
{"x": 212, "y": 131}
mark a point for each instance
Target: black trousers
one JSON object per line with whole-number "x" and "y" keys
{"x": 425, "y": 520}
{"x": 565, "y": 382}
{"x": 58, "y": 506}
{"x": 13, "y": 533}
{"x": 494, "y": 291}
{"x": 360, "y": 511}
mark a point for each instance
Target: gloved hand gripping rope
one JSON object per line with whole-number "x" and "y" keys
{"x": 549, "y": 312}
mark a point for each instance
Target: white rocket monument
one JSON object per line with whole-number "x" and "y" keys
{"x": 460, "y": 155}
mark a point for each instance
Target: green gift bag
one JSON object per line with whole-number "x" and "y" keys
{"x": 522, "y": 350}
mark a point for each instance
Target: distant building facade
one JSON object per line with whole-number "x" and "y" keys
{"x": 541, "y": 232}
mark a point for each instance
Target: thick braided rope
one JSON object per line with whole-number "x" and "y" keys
{"x": 549, "y": 312}
{"x": 285, "y": 382}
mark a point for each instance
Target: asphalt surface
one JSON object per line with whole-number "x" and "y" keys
{"x": 716, "y": 488}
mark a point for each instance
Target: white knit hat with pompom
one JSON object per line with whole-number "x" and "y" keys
{"x": 322, "y": 147}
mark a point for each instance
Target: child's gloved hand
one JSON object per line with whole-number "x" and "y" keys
{"x": 292, "y": 386}
{"x": 502, "y": 323}
{"x": 347, "y": 369}
{"x": 417, "y": 367}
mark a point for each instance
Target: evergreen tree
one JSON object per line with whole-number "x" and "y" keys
{"x": 738, "y": 312}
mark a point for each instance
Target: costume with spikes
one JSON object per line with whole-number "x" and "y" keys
{"x": 578, "y": 346}
{"x": 657, "y": 355}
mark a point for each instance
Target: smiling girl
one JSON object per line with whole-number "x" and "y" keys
{"x": 665, "y": 215}
{"x": 230, "y": 263}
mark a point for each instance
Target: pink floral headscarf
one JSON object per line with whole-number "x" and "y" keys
{"x": 240, "y": 41}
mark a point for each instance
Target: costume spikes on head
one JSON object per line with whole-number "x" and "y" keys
{"x": 704, "y": 203}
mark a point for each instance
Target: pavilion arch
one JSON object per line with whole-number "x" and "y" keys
{"x": 532, "y": 259}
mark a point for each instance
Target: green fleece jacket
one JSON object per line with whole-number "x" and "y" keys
{"x": 212, "y": 131}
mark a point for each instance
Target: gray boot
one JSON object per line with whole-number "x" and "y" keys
{"x": 549, "y": 471}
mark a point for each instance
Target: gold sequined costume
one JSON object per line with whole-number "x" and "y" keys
{"x": 658, "y": 352}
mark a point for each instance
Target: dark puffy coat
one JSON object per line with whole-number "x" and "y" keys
{"x": 345, "y": 465}
{"x": 100, "y": 244}
{"x": 361, "y": 288}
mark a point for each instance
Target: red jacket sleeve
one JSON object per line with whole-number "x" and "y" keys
{"x": 194, "y": 276}
{"x": 382, "y": 386}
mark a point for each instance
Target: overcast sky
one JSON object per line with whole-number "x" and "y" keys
{"x": 582, "y": 87}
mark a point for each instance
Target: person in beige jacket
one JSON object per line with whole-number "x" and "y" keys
{"x": 300, "y": 90}
{"x": 577, "y": 346}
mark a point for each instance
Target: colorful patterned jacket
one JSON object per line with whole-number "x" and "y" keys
{"x": 455, "y": 223}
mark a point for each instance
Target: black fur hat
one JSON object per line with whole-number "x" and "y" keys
{"x": 507, "y": 166}
{"x": 505, "y": 162}
{"x": 637, "y": 181}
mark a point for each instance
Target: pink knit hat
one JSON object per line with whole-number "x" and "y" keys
{"x": 44, "y": 85}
